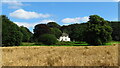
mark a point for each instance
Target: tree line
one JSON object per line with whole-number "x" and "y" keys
{"x": 12, "y": 34}
{"x": 96, "y": 31}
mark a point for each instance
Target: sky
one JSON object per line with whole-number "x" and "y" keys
{"x": 64, "y": 0}
{"x": 29, "y": 14}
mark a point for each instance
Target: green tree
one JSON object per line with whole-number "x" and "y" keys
{"x": 98, "y": 31}
{"x": 65, "y": 29}
{"x": 53, "y": 25}
{"x": 11, "y": 35}
{"x": 77, "y": 32}
{"x": 26, "y": 34}
{"x": 116, "y": 30}
{"x": 57, "y": 32}
{"x": 0, "y": 31}
{"x": 39, "y": 30}
{"x": 47, "y": 39}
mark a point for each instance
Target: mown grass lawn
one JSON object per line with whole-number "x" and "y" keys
{"x": 113, "y": 42}
{"x": 69, "y": 44}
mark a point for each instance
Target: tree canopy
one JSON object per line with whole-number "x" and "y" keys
{"x": 57, "y": 32}
{"x": 116, "y": 30}
{"x": 98, "y": 31}
{"x": 53, "y": 25}
{"x": 26, "y": 34}
{"x": 11, "y": 35}
{"x": 39, "y": 30}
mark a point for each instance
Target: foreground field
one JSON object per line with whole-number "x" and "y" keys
{"x": 60, "y": 56}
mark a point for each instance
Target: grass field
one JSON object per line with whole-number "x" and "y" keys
{"x": 57, "y": 44}
{"x": 60, "y": 56}
{"x": 69, "y": 44}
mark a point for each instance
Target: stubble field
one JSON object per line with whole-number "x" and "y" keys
{"x": 60, "y": 56}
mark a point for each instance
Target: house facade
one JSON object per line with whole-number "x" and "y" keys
{"x": 64, "y": 37}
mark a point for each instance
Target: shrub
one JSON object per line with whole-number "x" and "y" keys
{"x": 47, "y": 39}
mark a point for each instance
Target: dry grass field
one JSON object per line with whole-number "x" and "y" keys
{"x": 60, "y": 56}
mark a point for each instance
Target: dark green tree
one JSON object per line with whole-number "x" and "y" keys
{"x": 53, "y": 25}
{"x": 98, "y": 31}
{"x": 26, "y": 34}
{"x": 0, "y": 30}
{"x": 39, "y": 30}
{"x": 11, "y": 35}
{"x": 66, "y": 29}
{"x": 116, "y": 30}
{"x": 77, "y": 32}
{"x": 47, "y": 39}
{"x": 57, "y": 32}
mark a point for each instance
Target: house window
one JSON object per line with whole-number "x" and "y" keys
{"x": 65, "y": 39}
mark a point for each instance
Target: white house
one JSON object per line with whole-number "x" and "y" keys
{"x": 64, "y": 37}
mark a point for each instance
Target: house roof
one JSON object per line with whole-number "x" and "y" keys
{"x": 64, "y": 34}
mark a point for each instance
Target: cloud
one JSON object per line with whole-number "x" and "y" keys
{"x": 75, "y": 20}
{"x": 46, "y": 21}
{"x": 22, "y": 14}
{"x": 116, "y": 0}
{"x": 26, "y": 24}
{"x": 32, "y": 25}
{"x": 64, "y": 0}
{"x": 114, "y": 19}
{"x": 29, "y": 25}
{"x": 17, "y": 3}
{"x": 13, "y": 4}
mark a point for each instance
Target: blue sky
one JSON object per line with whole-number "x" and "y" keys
{"x": 31, "y": 13}
{"x": 64, "y": 0}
